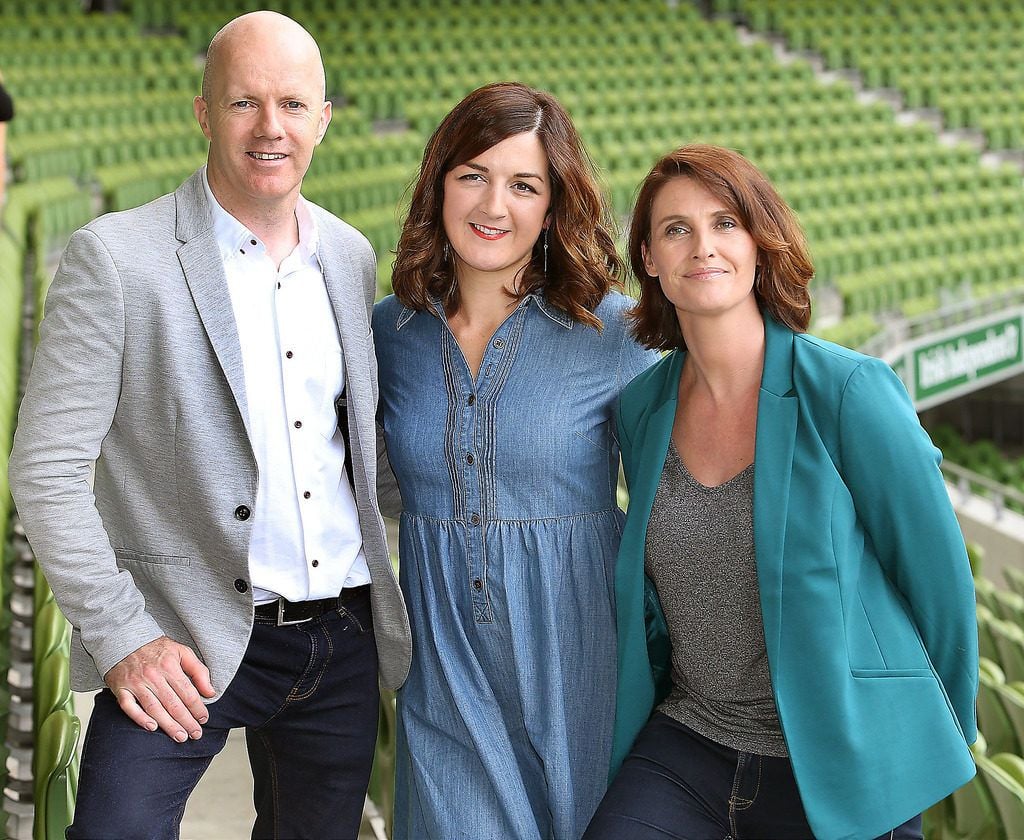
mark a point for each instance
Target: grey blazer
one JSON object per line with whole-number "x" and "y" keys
{"x": 139, "y": 370}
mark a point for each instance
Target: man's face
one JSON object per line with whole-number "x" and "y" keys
{"x": 265, "y": 114}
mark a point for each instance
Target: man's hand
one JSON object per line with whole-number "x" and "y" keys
{"x": 159, "y": 686}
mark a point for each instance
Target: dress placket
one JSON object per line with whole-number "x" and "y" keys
{"x": 472, "y": 457}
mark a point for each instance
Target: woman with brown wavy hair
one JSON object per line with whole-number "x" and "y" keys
{"x": 797, "y": 640}
{"x": 502, "y": 353}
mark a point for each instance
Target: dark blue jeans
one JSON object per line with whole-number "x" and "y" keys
{"x": 308, "y": 698}
{"x": 680, "y": 785}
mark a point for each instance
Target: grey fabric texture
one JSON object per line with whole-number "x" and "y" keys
{"x": 700, "y": 557}
{"x": 138, "y": 375}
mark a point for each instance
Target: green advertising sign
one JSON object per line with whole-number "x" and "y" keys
{"x": 975, "y": 354}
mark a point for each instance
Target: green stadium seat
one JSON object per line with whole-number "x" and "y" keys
{"x": 993, "y": 718}
{"x": 1004, "y": 775}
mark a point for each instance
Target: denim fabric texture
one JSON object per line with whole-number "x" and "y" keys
{"x": 507, "y": 547}
{"x": 678, "y": 785}
{"x": 307, "y": 695}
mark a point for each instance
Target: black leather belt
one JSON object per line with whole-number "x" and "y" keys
{"x": 282, "y": 611}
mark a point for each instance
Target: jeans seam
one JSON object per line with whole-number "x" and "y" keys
{"x": 741, "y": 802}
{"x": 741, "y": 763}
{"x": 271, "y": 761}
{"x": 323, "y": 667}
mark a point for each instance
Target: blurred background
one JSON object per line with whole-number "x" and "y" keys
{"x": 895, "y": 129}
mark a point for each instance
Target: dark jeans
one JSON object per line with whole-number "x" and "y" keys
{"x": 680, "y": 785}
{"x": 307, "y": 696}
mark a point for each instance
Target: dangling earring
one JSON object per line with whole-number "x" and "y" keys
{"x": 445, "y": 251}
{"x": 545, "y": 252}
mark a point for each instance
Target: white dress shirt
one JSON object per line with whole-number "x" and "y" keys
{"x": 305, "y": 542}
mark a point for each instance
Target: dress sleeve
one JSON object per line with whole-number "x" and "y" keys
{"x": 892, "y": 471}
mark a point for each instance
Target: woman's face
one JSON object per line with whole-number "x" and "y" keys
{"x": 495, "y": 207}
{"x": 699, "y": 251}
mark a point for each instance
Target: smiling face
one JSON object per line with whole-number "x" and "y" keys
{"x": 495, "y": 206}
{"x": 699, "y": 251}
{"x": 263, "y": 112}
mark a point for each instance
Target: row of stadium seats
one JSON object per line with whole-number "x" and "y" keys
{"x": 964, "y": 61}
{"x": 836, "y": 160}
{"x": 992, "y": 804}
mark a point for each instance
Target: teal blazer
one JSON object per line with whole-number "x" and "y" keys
{"x": 866, "y": 591}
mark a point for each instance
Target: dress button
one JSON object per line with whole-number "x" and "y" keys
{"x": 499, "y": 343}
{"x": 289, "y": 354}
{"x": 252, "y": 241}
{"x": 315, "y": 563}
{"x": 478, "y": 584}
{"x": 475, "y": 519}
{"x": 470, "y": 459}
{"x": 297, "y": 424}
{"x": 472, "y": 399}
{"x": 306, "y": 494}
{"x": 241, "y": 585}
{"x": 242, "y": 513}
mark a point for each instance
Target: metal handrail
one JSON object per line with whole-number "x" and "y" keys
{"x": 969, "y": 482}
{"x": 899, "y": 331}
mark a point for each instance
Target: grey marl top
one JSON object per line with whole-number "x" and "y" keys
{"x": 700, "y": 557}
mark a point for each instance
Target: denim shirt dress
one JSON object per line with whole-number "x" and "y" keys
{"x": 507, "y": 547}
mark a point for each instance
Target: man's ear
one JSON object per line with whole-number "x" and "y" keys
{"x": 325, "y": 120}
{"x": 202, "y": 112}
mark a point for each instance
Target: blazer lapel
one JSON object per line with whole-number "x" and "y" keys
{"x": 201, "y": 263}
{"x": 777, "y": 411}
{"x": 656, "y": 433}
{"x": 334, "y": 259}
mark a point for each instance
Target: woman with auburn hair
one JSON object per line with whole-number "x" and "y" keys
{"x": 794, "y": 601}
{"x": 502, "y": 354}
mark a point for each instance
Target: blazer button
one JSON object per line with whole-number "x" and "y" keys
{"x": 242, "y": 513}
{"x": 241, "y": 585}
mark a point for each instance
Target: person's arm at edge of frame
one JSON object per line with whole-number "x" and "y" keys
{"x": 892, "y": 469}
{"x": 67, "y": 411}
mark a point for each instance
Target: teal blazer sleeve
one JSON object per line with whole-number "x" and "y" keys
{"x": 892, "y": 470}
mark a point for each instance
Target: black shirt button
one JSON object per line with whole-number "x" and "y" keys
{"x": 315, "y": 563}
{"x": 478, "y": 584}
{"x": 475, "y": 519}
{"x": 241, "y": 585}
{"x": 472, "y": 399}
{"x": 297, "y": 424}
{"x": 469, "y": 458}
{"x": 289, "y": 354}
{"x": 252, "y": 241}
{"x": 242, "y": 513}
{"x": 306, "y": 494}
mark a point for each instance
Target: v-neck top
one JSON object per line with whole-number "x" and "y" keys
{"x": 700, "y": 557}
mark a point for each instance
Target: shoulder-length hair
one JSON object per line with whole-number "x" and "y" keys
{"x": 784, "y": 263}
{"x": 582, "y": 263}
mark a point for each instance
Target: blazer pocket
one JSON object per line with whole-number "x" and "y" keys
{"x": 887, "y": 673}
{"x": 156, "y": 559}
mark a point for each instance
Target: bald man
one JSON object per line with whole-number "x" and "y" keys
{"x": 208, "y": 359}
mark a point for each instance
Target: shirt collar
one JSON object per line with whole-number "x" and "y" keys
{"x": 233, "y": 237}
{"x": 552, "y": 312}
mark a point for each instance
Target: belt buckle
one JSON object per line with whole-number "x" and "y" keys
{"x": 280, "y": 616}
